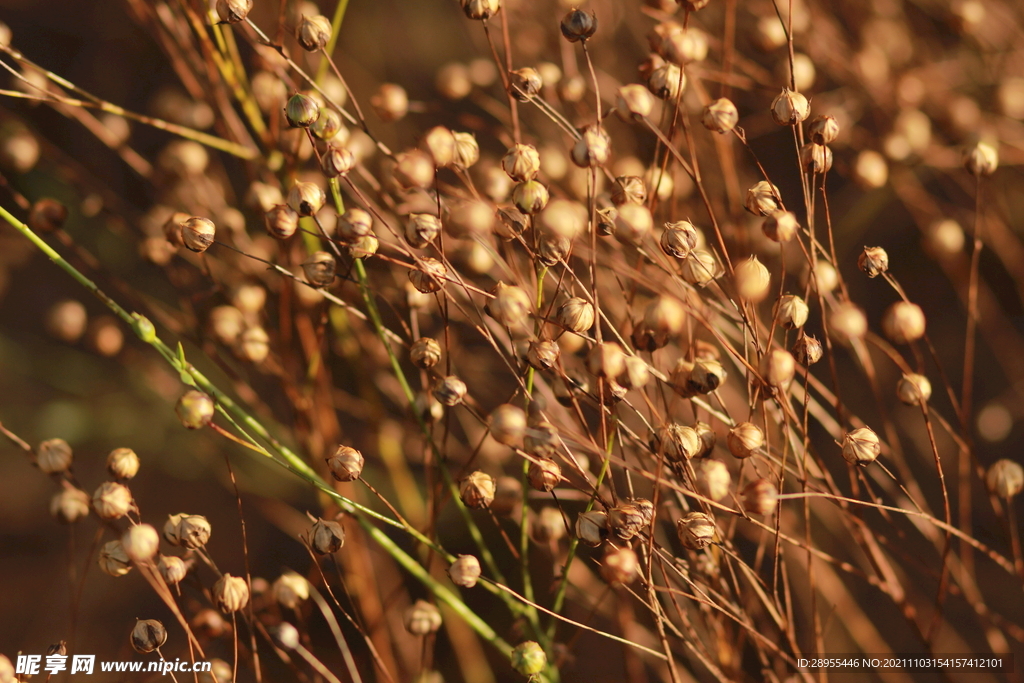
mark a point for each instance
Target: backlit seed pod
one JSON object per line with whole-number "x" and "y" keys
{"x": 606, "y": 360}
{"x": 763, "y": 199}
{"x": 981, "y": 159}
{"x": 666, "y": 82}
{"x": 663, "y": 318}
{"x": 1005, "y": 478}
{"x": 629, "y": 189}
{"x": 913, "y": 389}
{"x": 465, "y": 571}
{"x": 140, "y": 542}
{"x": 823, "y": 277}
{"x": 354, "y": 223}
{"x": 871, "y": 170}
{"x": 302, "y": 111}
{"x": 421, "y": 229}
{"x": 593, "y": 147}
{"x": 576, "y": 315}
{"x": 313, "y": 33}
{"x": 363, "y": 247}
{"x": 625, "y": 521}
{"x": 903, "y": 322}
{"x": 231, "y": 593}
{"x": 507, "y": 424}
{"x": 720, "y": 116}
{"x": 290, "y": 590}
{"x": 752, "y": 280}
{"x": 190, "y": 531}
{"x": 591, "y": 527}
{"x": 679, "y": 239}
{"x": 745, "y": 440}
{"x": 563, "y": 218}
{"x": 53, "y": 456}
{"x": 337, "y": 161}
{"x": 525, "y": 83}
{"x": 699, "y": 268}
{"x": 285, "y": 636}
{"x": 453, "y": 81}
{"x": 521, "y": 162}
{"x": 346, "y": 464}
{"x": 684, "y": 45}
{"x": 511, "y": 222}
{"x": 873, "y": 261}
{"x": 326, "y": 537}
{"x": 467, "y": 150}
{"x": 172, "y": 569}
{"x": 47, "y": 215}
{"x": 111, "y": 500}
{"x": 815, "y": 158}
{"x": 543, "y": 354}
{"x": 777, "y": 368}
{"x": 281, "y": 221}
{"x": 848, "y": 322}
{"x": 706, "y": 375}
{"x": 790, "y": 108}
{"x": 824, "y": 130}
{"x": 477, "y": 490}
{"x": 696, "y": 530}
{"x": 638, "y": 373}
{"x": 253, "y": 345}
{"x": 577, "y": 25}
{"x": 530, "y": 197}
{"x": 233, "y": 11}
{"x": 708, "y": 438}
{"x": 122, "y": 463}
{"x": 70, "y": 505}
{"x": 306, "y": 199}
{"x": 425, "y": 353}
{"x": 791, "y": 311}
{"x": 861, "y": 446}
{"x": 633, "y": 100}
{"x": 113, "y": 560}
{"x": 511, "y": 305}
{"x": 197, "y": 233}
{"x": 712, "y": 478}
{"x": 449, "y": 391}
{"x": 760, "y": 497}
{"x": 430, "y": 276}
{"x": 633, "y": 223}
{"x": 440, "y": 143}
{"x": 780, "y": 226}
{"x": 620, "y": 566}
{"x": 528, "y": 658}
{"x": 319, "y": 268}
{"x": 807, "y": 350}
{"x": 480, "y": 9}
{"x": 544, "y": 475}
{"x": 678, "y": 443}
{"x": 390, "y": 102}
{"x": 148, "y": 635}
{"x": 329, "y": 126}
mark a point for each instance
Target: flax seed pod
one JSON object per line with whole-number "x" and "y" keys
{"x": 705, "y": 376}
{"x": 511, "y": 305}
{"x": 148, "y": 635}
{"x": 449, "y": 391}
{"x": 696, "y": 530}
{"x": 508, "y": 496}
{"x": 313, "y": 33}
{"x": 329, "y": 127}
{"x": 576, "y": 315}
{"x": 625, "y": 521}
{"x": 290, "y": 590}
{"x": 233, "y": 11}
{"x": 465, "y": 571}
{"x": 253, "y": 345}
{"x": 666, "y": 82}
{"x": 873, "y": 261}
{"x": 530, "y": 197}
{"x": 440, "y": 143}
{"x": 633, "y": 223}
{"x": 425, "y": 353}
{"x": 780, "y": 226}
{"x": 807, "y": 350}
{"x": 429, "y": 277}
{"x": 112, "y": 501}
{"x": 390, "y": 102}
{"x": 421, "y": 229}
{"x": 544, "y": 475}
{"x": 521, "y": 162}
{"x": 319, "y": 269}
{"x": 70, "y": 505}
{"x": 982, "y": 159}
{"x": 861, "y": 446}
{"x": 712, "y": 478}
{"x": 633, "y": 100}
{"x": 760, "y": 497}
{"x": 543, "y": 354}
{"x": 593, "y": 147}
{"x": 824, "y": 130}
{"x": 480, "y": 9}
{"x": 777, "y": 368}
{"x": 113, "y": 560}
{"x": 337, "y": 161}
{"x": 301, "y": 111}
{"x": 848, "y": 322}
{"x": 525, "y": 83}
{"x": 1005, "y": 478}
{"x": 47, "y": 215}
{"x": 326, "y": 537}
{"x": 354, "y": 223}
{"x": 172, "y": 569}
{"x": 815, "y": 158}
{"x": 231, "y": 593}
{"x": 281, "y": 221}
{"x": 752, "y": 280}
{"x": 591, "y": 527}
{"x": 477, "y": 490}
{"x": 607, "y": 360}
{"x": 306, "y": 199}
{"x": 620, "y": 566}
{"x": 197, "y": 233}
{"x": 577, "y": 25}
{"x": 507, "y": 424}
{"x": 903, "y": 322}
{"x": 629, "y": 190}
{"x": 913, "y": 389}
{"x": 720, "y": 116}
{"x": 790, "y": 108}
{"x": 346, "y": 464}
{"x": 745, "y": 440}
{"x": 763, "y": 199}
{"x": 53, "y": 456}
{"x": 529, "y": 658}
{"x": 791, "y": 311}
{"x": 140, "y": 542}
{"x": 188, "y": 531}
{"x": 699, "y": 268}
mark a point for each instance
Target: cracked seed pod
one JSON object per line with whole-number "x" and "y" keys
{"x": 575, "y": 315}
{"x": 429, "y": 277}
{"x": 824, "y": 130}
{"x": 281, "y": 221}
{"x": 848, "y": 322}
{"x": 233, "y": 11}
{"x": 633, "y": 100}
{"x": 530, "y": 197}
{"x": 113, "y": 560}
{"x": 467, "y": 150}
{"x": 699, "y": 268}
{"x": 752, "y": 280}
{"x": 189, "y": 531}
{"x": 981, "y": 159}
{"x": 807, "y": 350}
{"x": 54, "y": 456}
{"x": 591, "y": 527}
{"x": 542, "y": 355}
{"x": 480, "y": 9}
{"x": 230, "y": 593}
{"x": 593, "y": 147}
{"x": 790, "y": 108}
{"x": 745, "y": 440}
{"x": 760, "y": 497}
{"x": 346, "y": 464}
{"x": 633, "y": 223}
{"x": 70, "y": 505}
{"x": 197, "y": 233}
{"x": 525, "y": 83}
{"x": 873, "y": 261}
{"x": 706, "y": 375}
{"x": 1005, "y": 478}
{"x": 306, "y": 199}
{"x": 712, "y": 478}
{"x": 913, "y": 389}
{"x": 720, "y": 116}
{"x": 780, "y": 226}
{"x": 529, "y": 659}
{"x": 140, "y": 542}
{"x": 861, "y": 446}
{"x": 544, "y": 475}
{"x": 449, "y": 391}
{"x": 763, "y": 199}
{"x": 172, "y": 569}
{"x": 577, "y": 25}
{"x": 606, "y": 360}
{"x": 666, "y": 82}
{"x": 422, "y": 229}
{"x": 425, "y": 353}
{"x": 313, "y": 33}
{"x": 646, "y": 509}
{"x": 122, "y": 463}
{"x": 708, "y": 438}
{"x": 903, "y": 322}
{"x": 253, "y": 345}
{"x": 791, "y": 311}
{"x": 337, "y": 161}
{"x": 148, "y": 635}
{"x": 329, "y": 126}
{"x": 511, "y": 305}
{"x": 620, "y": 566}
{"x": 777, "y": 368}
{"x": 326, "y": 537}
{"x": 638, "y": 373}
{"x": 422, "y": 618}
{"x": 390, "y": 102}
{"x": 290, "y": 590}
{"x": 625, "y": 521}
{"x": 112, "y": 500}
{"x": 354, "y": 223}
{"x": 629, "y": 189}
{"x": 815, "y": 158}
{"x": 541, "y": 439}
{"x": 521, "y": 162}
{"x": 302, "y": 111}
{"x": 477, "y": 490}
{"x": 507, "y": 424}
{"x": 47, "y": 215}
{"x": 465, "y": 571}
{"x": 319, "y": 269}
{"x": 696, "y": 530}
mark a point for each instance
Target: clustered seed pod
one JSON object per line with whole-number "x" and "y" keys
{"x": 760, "y": 497}
{"x": 720, "y": 116}
{"x": 678, "y": 442}
{"x": 607, "y": 360}
{"x": 626, "y": 521}
{"x": 815, "y": 158}
{"x": 913, "y": 388}
{"x": 790, "y": 108}
{"x": 629, "y": 190}
{"x": 542, "y": 354}
{"x": 449, "y": 391}
{"x": 752, "y": 280}
{"x": 510, "y": 306}
{"x": 346, "y": 464}
{"x": 593, "y": 147}
{"x": 620, "y": 565}
{"x": 465, "y": 571}
{"x": 700, "y": 268}
{"x": 577, "y": 25}
{"x": 414, "y": 169}
{"x": 706, "y": 375}
{"x": 903, "y": 322}
{"x": 667, "y": 81}
{"x": 477, "y": 490}
{"x": 679, "y": 239}
{"x": 429, "y": 277}
{"x": 113, "y": 560}
{"x": 122, "y": 463}
{"x": 172, "y": 569}
{"x": 1005, "y": 478}
{"x": 337, "y": 161}
{"x": 313, "y": 33}
{"x": 530, "y": 197}
{"x": 354, "y": 223}
{"x": 507, "y": 424}
{"x": 696, "y": 530}
{"x": 745, "y": 439}
{"x": 824, "y": 130}
{"x": 763, "y": 199}
{"x": 53, "y": 456}
{"x": 231, "y": 593}
{"x": 326, "y": 537}
{"x": 425, "y": 353}
{"x": 140, "y": 542}
{"x": 592, "y": 527}
{"x": 521, "y": 162}
{"x": 306, "y": 199}
{"x": 861, "y": 446}
{"x": 777, "y": 368}
{"x": 525, "y": 83}
{"x": 576, "y": 315}
{"x": 148, "y": 635}
{"x": 544, "y": 475}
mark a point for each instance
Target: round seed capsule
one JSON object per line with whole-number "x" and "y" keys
{"x": 861, "y": 446}
{"x": 425, "y": 353}
{"x": 1005, "y": 478}
{"x": 231, "y": 593}
{"x": 477, "y": 490}
{"x": 696, "y": 530}
{"x": 319, "y": 268}
{"x": 148, "y": 635}
{"x": 197, "y": 233}
{"x": 346, "y": 464}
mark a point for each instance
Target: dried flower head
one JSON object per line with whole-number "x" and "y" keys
{"x": 720, "y": 116}
{"x": 425, "y": 353}
{"x": 861, "y": 446}
{"x": 477, "y": 490}
{"x": 113, "y": 560}
{"x": 346, "y": 464}
{"x": 763, "y": 199}
{"x": 112, "y": 500}
{"x": 790, "y": 108}
{"x": 230, "y": 593}
{"x": 326, "y": 537}
{"x": 197, "y": 233}
{"x": 140, "y": 542}
{"x": 544, "y": 475}
{"x": 696, "y": 530}
{"x": 313, "y": 33}
{"x": 233, "y": 11}
{"x": 745, "y": 439}
{"x": 1005, "y": 478}
{"x": 449, "y": 391}
{"x": 53, "y": 456}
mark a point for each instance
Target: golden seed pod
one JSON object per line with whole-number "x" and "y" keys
{"x": 708, "y": 438}
{"x": 172, "y": 569}
{"x": 1005, "y": 478}
{"x": 467, "y": 150}
{"x": 197, "y": 233}
{"x": 253, "y": 345}
{"x": 449, "y": 391}
{"x": 913, "y": 389}
{"x": 699, "y": 268}
{"x": 745, "y": 439}
{"x": 544, "y": 475}
{"x": 763, "y": 199}
{"x": 337, "y": 161}
{"x": 122, "y": 463}
{"x": 606, "y": 360}
{"x": 791, "y": 311}
{"x": 593, "y": 147}
{"x": 421, "y": 229}
{"x": 326, "y": 537}
{"x": 981, "y": 159}
{"x": 873, "y": 261}
{"x": 425, "y": 353}
{"x": 363, "y": 247}
{"x": 111, "y": 500}
{"x": 477, "y": 490}
{"x": 140, "y": 542}
{"x": 815, "y": 158}
{"x": 667, "y": 82}
{"x": 679, "y": 239}
{"x": 760, "y": 497}
{"x": 944, "y": 238}
{"x": 53, "y": 456}
{"x": 301, "y": 111}
{"x": 511, "y": 305}
{"x": 521, "y": 162}
{"x": 530, "y": 197}
{"x": 542, "y": 354}
{"x": 390, "y": 102}
{"x": 113, "y": 560}
{"x": 346, "y": 464}
{"x": 663, "y": 318}
{"x": 306, "y": 199}
{"x": 807, "y": 350}
{"x": 848, "y": 322}
{"x": 629, "y": 189}
{"x": 525, "y": 83}
{"x": 712, "y": 478}
{"x": 231, "y": 593}
{"x": 861, "y": 446}
{"x": 780, "y": 226}
{"x": 233, "y": 11}
{"x": 290, "y": 590}
{"x": 508, "y": 496}
{"x": 777, "y": 368}
{"x": 903, "y": 322}
{"x": 422, "y": 618}
{"x": 47, "y": 215}
{"x": 706, "y": 375}
{"x": 824, "y": 130}
{"x": 752, "y": 280}
{"x": 591, "y": 527}
{"x": 453, "y": 81}
{"x": 70, "y": 505}
{"x": 507, "y": 424}
{"x": 285, "y": 636}
{"x": 790, "y": 108}
{"x": 563, "y": 218}
{"x": 440, "y": 143}
{"x": 870, "y": 169}
{"x": 720, "y": 116}
{"x": 313, "y": 33}
{"x": 684, "y": 45}
{"x": 329, "y": 126}
{"x": 633, "y": 100}
{"x": 576, "y": 315}
{"x": 188, "y": 531}
{"x": 633, "y": 223}
{"x": 620, "y": 566}
{"x": 148, "y": 635}
{"x": 472, "y": 218}
{"x": 319, "y": 268}
{"x": 822, "y": 277}
{"x": 638, "y": 373}
{"x": 465, "y": 571}
{"x": 281, "y": 221}
{"x": 480, "y": 9}
{"x": 577, "y": 25}
{"x": 354, "y": 223}
{"x": 696, "y": 530}
{"x": 430, "y": 276}
{"x": 626, "y": 521}
{"x": 678, "y": 443}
